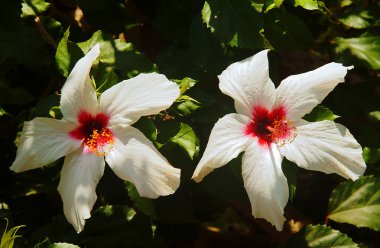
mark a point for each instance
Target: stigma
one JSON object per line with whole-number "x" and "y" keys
{"x": 97, "y": 138}
{"x": 271, "y": 126}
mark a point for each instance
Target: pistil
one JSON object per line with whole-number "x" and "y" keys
{"x": 271, "y": 126}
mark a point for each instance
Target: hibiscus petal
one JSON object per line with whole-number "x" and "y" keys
{"x": 227, "y": 140}
{"x": 145, "y": 94}
{"x": 248, "y": 83}
{"x": 265, "y": 183}
{"x": 43, "y": 141}
{"x": 135, "y": 159}
{"x": 80, "y": 174}
{"x": 301, "y": 93}
{"x": 78, "y": 93}
{"x": 326, "y": 146}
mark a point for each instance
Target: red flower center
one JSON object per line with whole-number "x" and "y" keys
{"x": 271, "y": 126}
{"x": 97, "y": 138}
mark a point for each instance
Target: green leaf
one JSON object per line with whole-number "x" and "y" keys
{"x": 271, "y": 4}
{"x": 187, "y": 105}
{"x": 290, "y": 171}
{"x": 371, "y": 155}
{"x": 116, "y": 54}
{"x": 358, "y": 20}
{"x": 375, "y": 115}
{"x": 308, "y": 4}
{"x": 235, "y": 22}
{"x": 366, "y": 48}
{"x": 104, "y": 77}
{"x": 357, "y": 203}
{"x": 320, "y": 113}
{"x": 187, "y": 139}
{"x": 67, "y": 54}
{"x": 185, "y": 84}
{"x": 3, "y": 112}
{"x": 320, "y": 236}
{"x": 145, "y": 205}
{"x": 63, "y": 245}
{"x": 147, "y": 127}
{"x": 34, "y": 7}
{"x": 182, "y": 135}
{"x": 55, "y": 112}
{"x": 344, "y": 3}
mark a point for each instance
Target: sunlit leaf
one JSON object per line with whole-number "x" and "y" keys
{"x": 67, "y": 54}
{"x": 308, "y": 4}
{"x": 187, "y": 139}
{"x": 270, "y": 4}
{"x": 3, "y": 112}
{"x": 357, "y": 203}
{"x": 62, "y": 245}
{"x": 375, "y": 115}
{"x": 185, "y": 84}
{"x": 320, "y": 236}
{"x": 118, "y": 54}
{"x": 187, "y": 105}
{"x": 182, "y": 135}
{"x": 55, "y": 112}
{"x": 320, "y": 113}
{"x": 366, "y": 47}
{"x": 34, "y": 7}
{"x": 358, "y": 20}
{"x": 344, "y": 3}
{"x": 371, "y": 155}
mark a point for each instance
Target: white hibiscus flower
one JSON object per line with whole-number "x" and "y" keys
{"x": 94, "y": 130}
{"x": 268, "y": 126}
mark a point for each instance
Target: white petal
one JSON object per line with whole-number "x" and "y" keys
{"x": 43, "y": 141}
{"x": 265, "y": 183}
{"x": 301, "y": 93}
{"x": 248, "y": 83}
{"x": 80, "y": 174}
{"x": 78, "y": 93}
{"x": 227, "y": 141}
{"x": 135, "y": 159}
{"x": 328, "y": 147}
{"x": 145, "y": 94}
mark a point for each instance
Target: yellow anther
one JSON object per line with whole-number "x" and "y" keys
{"x": 100, "y": 143}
